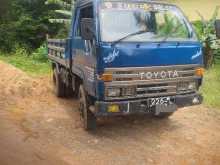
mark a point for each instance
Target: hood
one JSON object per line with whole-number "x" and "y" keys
{"x": 150, "y": 54}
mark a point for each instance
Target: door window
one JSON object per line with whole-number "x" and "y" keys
{"x": 86, "y": 12}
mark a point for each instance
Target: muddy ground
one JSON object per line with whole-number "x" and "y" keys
{"x": 36, "y": 128}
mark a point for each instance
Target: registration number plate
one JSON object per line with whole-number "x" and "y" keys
{"x": 160, "y": 101}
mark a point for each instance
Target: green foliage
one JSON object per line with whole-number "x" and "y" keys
{"x": 4, "y": 6}
{"x": 64, "y": 9}
{"x": 62, "y": 3}
{"x": 172, "y": 27}
{"x": 33, "y": 65}
{"x": 7, "y": 37}
{"x": 167, "y": 27}
{"x": 211, "y": 87}
{"x": 206, "y": 33}
{"x": 25, "y": 23}
{"x": 19, "y": 51}
{"x": 64, "y": 14}
{"x": 40, "y": 54}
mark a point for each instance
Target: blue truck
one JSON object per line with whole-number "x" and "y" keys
{"x": 128, "y": 57}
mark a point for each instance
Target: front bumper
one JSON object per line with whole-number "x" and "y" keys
{"x": 138, "y": 106}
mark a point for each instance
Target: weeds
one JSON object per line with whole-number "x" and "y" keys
{"x": 34, "y": 64}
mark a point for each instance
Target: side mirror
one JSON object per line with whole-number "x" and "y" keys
{"x": 217, "y": 28}
{"x": 87, "y": 28}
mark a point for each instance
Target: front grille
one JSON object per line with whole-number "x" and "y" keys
{"x": 158, "y": 81}
{"x": 159, "y": 88}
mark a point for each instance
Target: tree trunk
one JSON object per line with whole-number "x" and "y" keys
{"x": 208, "y": 55}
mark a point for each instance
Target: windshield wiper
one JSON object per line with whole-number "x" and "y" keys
{"x": 128, "y": 36}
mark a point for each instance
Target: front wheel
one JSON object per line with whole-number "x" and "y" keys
{"x": 88, "y": 118}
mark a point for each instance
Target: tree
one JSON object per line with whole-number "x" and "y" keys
{"x": 66, "y": 9}
{"x": 206, "y": 33}
{"x": 25, "y": 23}
{"x": 64, "y": 12}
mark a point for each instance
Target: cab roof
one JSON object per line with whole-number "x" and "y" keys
{"x": 84, "y": 2}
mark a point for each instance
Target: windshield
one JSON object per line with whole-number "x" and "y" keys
{"x": 159, "y": 22}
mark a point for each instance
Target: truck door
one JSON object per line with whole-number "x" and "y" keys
{"x": 84, "y": 59}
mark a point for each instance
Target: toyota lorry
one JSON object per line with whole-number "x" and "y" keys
{"x": 128, "y": 57}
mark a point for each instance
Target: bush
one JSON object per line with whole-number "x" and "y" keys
{"x": 40, "y": 54}
{"x": 35, "y": 63}
{"x": 206, "y": 33}
{"x": 20, "y": 51}
{"x": 25, "y": 22}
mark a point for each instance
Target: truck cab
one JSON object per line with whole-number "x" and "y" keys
{"x": 128, "y": 57}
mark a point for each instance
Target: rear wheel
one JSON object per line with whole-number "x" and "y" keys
{"x": 88, "y": 118}
{"x": 59, "y": 86}
{"x": 75, "y": 85}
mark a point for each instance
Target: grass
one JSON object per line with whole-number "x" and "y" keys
{"x": 27, "y": 64}
{"x": 211, "y": 87}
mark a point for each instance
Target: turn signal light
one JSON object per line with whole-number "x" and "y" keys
{"x": 106, "y": 77}
{"x": 113, "y": 109}
{"x": 200, "y": 71}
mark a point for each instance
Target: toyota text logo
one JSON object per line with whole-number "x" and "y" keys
{"x": 159, "y": 75}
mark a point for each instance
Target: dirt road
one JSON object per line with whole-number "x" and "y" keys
{"x": 36, "y": 128}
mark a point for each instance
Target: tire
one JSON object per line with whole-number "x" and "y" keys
{"x": 59, "y": 86}
{"x": 88, "y": 118}
{"x": 68, "y": 91}
{"x": 75, "y": 85}
{"x": 164, "y": 115}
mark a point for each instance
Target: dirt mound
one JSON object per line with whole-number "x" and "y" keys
{"x": 14, "y": 83}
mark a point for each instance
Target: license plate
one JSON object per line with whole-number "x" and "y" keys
{"x": 160, "y": 101}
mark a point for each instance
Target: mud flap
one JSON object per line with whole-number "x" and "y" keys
{"x": 165, "y": 109}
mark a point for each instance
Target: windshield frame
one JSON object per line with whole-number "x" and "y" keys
{"x": 193, "y": 37}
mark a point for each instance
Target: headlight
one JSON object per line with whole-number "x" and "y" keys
{"x": 129, "y": 91}
{"x": 120, "y": 92}
{"x": 186, "y": 86}
{"x": 113, "y": 92}
{"x": 192, "y": 86}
